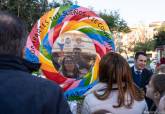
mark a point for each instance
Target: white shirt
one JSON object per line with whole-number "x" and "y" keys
{"x": 135, "y": 70}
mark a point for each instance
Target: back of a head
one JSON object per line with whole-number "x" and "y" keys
{"x": 158, "y": 81}
{"x": 114, "y": 69}
{"x": 139, "y": 53}
{"x": 12, "y": 34}
{"x": 161, "y": 69}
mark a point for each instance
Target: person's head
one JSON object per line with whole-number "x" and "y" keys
{"x": 12, "y": 34}
{"x": 76, "y": 51}
{"x": 114, "y": 70}
{"x": 161, "y": 69}
{"x": 140, "y": 60}
{"x": 68, "y": 41}
{"x": 68, "y": 63}
{"x": 156, "y": 87}
{"x": 78, "y": 40}
{"x": 69, "y": 66}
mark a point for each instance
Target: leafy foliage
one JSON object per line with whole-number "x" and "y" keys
{"x": 148, "y": 45}
{"x": 114, "y": 21}
{"x": 31, "y": 10}
{"x": 28, "y": 10}
{"x": 160, "y": 36}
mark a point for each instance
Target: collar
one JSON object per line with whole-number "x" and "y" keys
{"x": 135, "y": 69}
{"x": 17, "y": 63}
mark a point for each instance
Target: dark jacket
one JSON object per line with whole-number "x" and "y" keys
{"x": 145, "y": 78}
{"x": 22, "y": 93}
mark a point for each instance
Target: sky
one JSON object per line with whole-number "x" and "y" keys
{"x": 132, "y": 11}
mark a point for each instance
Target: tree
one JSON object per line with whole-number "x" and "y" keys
{"x": 124, "y": 49}
{"x": 114, "y": 21}
{"x": 29, "y": 10}
{"x": 160, "y": 36}
{"x": 148, "y": 45}
{"x": 141, "y": 38}
{"x": 117, "y": 25}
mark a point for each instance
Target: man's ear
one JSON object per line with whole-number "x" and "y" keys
{"x": 157, "y": 95}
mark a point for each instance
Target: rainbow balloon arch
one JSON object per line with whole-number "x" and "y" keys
{"x": 53, "y": 24}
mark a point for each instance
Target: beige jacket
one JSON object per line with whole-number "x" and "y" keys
{"x": 92, "y": 104}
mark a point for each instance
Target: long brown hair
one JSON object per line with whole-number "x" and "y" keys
{"x": 64, "y": 71}
{"x": 114, "y": 69}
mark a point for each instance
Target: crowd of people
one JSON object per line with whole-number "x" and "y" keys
{"x": 120, "y": 89}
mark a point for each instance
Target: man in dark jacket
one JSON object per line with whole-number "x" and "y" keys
{"x": 141, "y": 75}
{"x": 20, "y": 92}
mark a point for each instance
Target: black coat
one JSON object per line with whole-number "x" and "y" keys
{"x": 146, "y": 75}
{"x": 22, "y": 93}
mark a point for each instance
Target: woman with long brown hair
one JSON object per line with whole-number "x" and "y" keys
{"x": 115, "y": 91}
{"x": 69, "y": 68}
